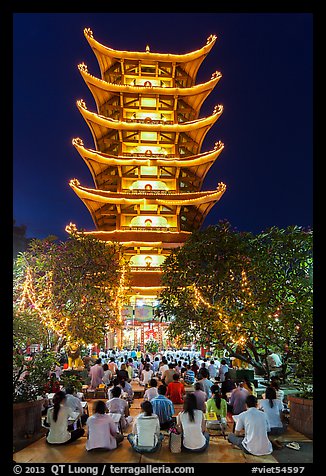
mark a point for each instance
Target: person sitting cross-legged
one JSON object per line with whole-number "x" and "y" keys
{"x": 151, "y": 391}
{"x": 255, "y": 424}
{"x": 191, "y": 423}
{"x": 176, "y": 390}
{"x": 116, "y": 404}
{"x": 146, "y": 436}
{"x": 57, "y": 418}
{"x": 102, "y": 433}
{"x": 218, "y": 405}
{"x": 163, "y": 408}
{"x": 274, "y": 411}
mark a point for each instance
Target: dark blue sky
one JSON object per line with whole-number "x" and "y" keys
{"x": 266, "y": 90}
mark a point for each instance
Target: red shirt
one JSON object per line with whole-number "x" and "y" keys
{"x": 175, "y": 392}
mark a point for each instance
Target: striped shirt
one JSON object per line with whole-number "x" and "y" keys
{"x": 163, "y": 408}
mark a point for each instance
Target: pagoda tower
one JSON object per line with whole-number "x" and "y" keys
{"x": 147, "y": 165}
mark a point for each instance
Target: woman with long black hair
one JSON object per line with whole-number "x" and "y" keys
{"x": 218, "y": 405}
{"x": 57, "y": 417}
{"x": 273, "y": 409}
{"x": 192, "y": 424}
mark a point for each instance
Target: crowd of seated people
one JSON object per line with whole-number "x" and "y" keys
{"x": 191, "y": 394}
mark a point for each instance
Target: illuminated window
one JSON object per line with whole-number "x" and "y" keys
{"x": 148, "y": 102}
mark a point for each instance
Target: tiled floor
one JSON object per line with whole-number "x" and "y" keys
{"x": 219, "y": 451}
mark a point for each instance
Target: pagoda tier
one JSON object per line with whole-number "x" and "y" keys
{"x": 139, "y": 237}
{"x": 180, "y": 211}
{"x": 115, "y": 65}
{"x": 108, "y": 171}
{"x": 115, "y": 100}
{"x": 114, "y": 137}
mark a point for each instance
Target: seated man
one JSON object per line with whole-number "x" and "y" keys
{"x": 163, "y": 408}
{"x": 255, "y": 424}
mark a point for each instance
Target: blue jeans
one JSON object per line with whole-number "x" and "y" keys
{"x": 198, "y": 450}
{"x": 144, "y": 449}
{"x": 237, "y": 441}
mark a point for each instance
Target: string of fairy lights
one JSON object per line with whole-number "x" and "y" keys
{"x": 231, "y": 330}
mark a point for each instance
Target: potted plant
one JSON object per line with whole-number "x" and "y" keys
{"x": 151, "y": 346}
{"x": 301, "y": 404}
{"x": 30, "y": 374}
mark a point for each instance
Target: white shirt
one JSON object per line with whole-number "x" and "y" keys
{"x": 146, "y": 375}
{"x": 101, "y": 431}
{"x": 256, "y": 426}
{"x": 74, "y": 403}
{"x": 193, "y": 437}
{"x": 272, "y": 413}
{"x": 150, "y": 393}
{"x": 59, "y": 429}
{"x": 146, "y": 429}
{"x": 163, "y": 368}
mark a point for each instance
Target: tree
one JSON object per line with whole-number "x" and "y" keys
{"x": 74, "y": 289}
{"x": 244, "y": 293}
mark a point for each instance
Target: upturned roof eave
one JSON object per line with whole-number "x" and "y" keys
{"x": 198, "y": 159}
{"x": 107, "y": 56}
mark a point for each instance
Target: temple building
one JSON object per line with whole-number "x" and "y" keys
{"x": 147, "y": 165}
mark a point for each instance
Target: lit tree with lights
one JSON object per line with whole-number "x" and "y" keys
{"x": 73, "y": 289}
{"x": 244, "y": 293}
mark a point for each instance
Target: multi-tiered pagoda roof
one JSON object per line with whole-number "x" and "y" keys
{"x": 147, "y": 165}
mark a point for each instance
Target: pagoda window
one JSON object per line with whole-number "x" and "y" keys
{"x": 148, "y": 170}
{"x": 148, "y": 102}
{"x": 148, "y": 136}
{"x": 148, "y": 70}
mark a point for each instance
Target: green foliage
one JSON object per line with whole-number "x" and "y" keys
{"x": 72, "y": 378}
{"x": 254, "y": 294}
{"x": 151, "y": 346}
{"x": 72, "y": 288}
{"x": 36, "y": 370}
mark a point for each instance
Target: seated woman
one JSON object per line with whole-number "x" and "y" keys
{"x": 273, "y": 408}
{"x": 102, "y": 432}
{"x": 146, "y": 436}
{"x": 218, "y": 405}
{"x": 57, "y": 418}
{"x": 192, "y": 424}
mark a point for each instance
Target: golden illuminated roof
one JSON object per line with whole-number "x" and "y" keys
{"x": 98, "y": 162}
{"x": 190, "y": 62}
{"x": 104, "y": 206}
{"x": 103, "y": 91}
{"x": 196, "y": 130}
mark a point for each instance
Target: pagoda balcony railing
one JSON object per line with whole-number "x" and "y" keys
{"x": 150, "y": 228}
{"x": 141, "y": 191}
{"x": 152, "y": 156}
{"x": 147, "y": 121}
{"x": 143, "y": 268}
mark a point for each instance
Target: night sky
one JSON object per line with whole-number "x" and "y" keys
{"x": 266, "y": 127}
